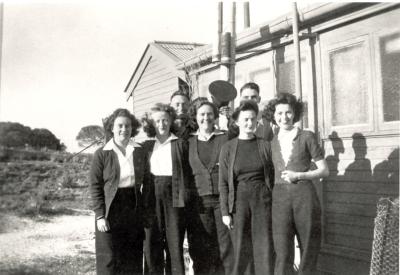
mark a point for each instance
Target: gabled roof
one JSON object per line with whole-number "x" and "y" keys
{"x": 171, "y": 53}
{"x": 178, "y": 50}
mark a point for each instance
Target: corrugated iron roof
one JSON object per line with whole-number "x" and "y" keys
{"x": 180, "y": 50}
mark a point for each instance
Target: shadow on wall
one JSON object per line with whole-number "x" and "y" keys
{"x": 382, "y": 180}
{"x": 350, "y": 199}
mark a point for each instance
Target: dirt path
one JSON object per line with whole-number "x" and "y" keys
{"x": 61, "y": 245}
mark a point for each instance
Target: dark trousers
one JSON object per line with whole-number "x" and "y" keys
{"x": 120, "y": 250}
{"x": 252, "y": 230}
{"x": 194, "y": 231}
{"x": 166, "y": 233}
{"x": 296, "y": 212}
{"x": 217, "y": 238}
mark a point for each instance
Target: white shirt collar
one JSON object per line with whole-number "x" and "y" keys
{"x": 201, "y": 137}
{"x": 169, "y": 139}
{"x": 290, "y": 135}
{"x": 111, "y": 145}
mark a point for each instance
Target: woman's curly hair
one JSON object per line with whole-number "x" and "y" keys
{"x": 195, "y": 106}
{"x": 284, "y": 98}
{"x": 245, "y": 105}
{"x": 108, "y": 122}
{"x": 147, "y": 122}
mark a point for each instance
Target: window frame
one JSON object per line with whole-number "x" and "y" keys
{"x": 347, "y": 130}
{"x": 390, "y": 126}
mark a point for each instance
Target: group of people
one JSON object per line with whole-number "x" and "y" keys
{"x": 241, "y": 196}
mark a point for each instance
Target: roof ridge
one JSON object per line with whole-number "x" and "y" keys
{"x": 176, "y": 42}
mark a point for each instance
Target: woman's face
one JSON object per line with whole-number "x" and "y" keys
{"x": 205, "y": 118}
{"x": 284, "y": 116}
{"x": 162, "y": 123}
{"x": 247, "y": 121}
{"x": 122, "y": 129}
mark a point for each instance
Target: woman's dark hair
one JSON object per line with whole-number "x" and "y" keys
{"x": 147, "y": 122}
{"x": 109, "y": 122}
{"x": 245, "y": 105}
{"x": 195, "y": 106}
{"x": 284, "y": 98}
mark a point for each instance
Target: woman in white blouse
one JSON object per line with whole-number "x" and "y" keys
{"x": 118, "y": 175}
{"x": 171, "y": 174}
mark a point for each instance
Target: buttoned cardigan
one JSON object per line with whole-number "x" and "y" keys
{"x": 227, "y": 181}
{"x": 104, "y": 178}
{"x": 181, "y": 170}
{"x": 203, "y": 173}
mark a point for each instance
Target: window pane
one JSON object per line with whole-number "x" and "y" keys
{"x": 349, "y": 94}
{"x": 390, "y": 70}
{"x": 264, "y": 79}
{"x": 286, "y": 81}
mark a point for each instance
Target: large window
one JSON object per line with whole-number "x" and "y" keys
{"x": 389, "y": 51}
{"x": 348, "y": 79}
{"x": 349, "y": 100}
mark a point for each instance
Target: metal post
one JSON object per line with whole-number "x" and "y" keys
{"x": 297, "y": 60}
{"x": 233, "y": 44}
{"x": 216, "y": 56}
{"x": 246, "y": 14}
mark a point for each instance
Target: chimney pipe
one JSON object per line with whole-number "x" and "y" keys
{"x": 216, "y": 53}
{"x": 246, "y": 11}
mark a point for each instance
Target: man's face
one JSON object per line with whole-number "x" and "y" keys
{"x": 180, "y": 103}
{"x": 250, "y": 94}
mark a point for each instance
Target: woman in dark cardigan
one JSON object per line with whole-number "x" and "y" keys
{"x": 171, "y": 174}
{"x": 295, "y": 205}
{"x": 118, "y": 173}
{"x": 212, "y": 238}
{"x": 245, "y": 186}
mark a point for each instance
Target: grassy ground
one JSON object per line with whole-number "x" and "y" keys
{"x": 56, "y": 245}
{"x": 45, "y": 224}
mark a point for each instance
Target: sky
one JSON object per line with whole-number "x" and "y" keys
{"x": 65, "y": 64}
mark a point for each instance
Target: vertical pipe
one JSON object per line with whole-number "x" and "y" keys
{"x": 233, "y": 44}
{"x": 297, "y": 61}
{"x": 216, "y": 55}
{"x": 225, "y": 56}
{"x": 246, "y": 13}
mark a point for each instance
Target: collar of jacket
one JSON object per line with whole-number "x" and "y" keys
{"x": 178, "y": 175}
{"x": 201, "y": 137}
{"x": 169, "y": 139}
{"x": 110, "y": 145}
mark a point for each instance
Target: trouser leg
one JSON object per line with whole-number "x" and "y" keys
{"x": 212, "y": 262}
{"x": 224, "y": 241}
{"x": 195, "y": 235}
{"x": 242, "y": 243}
{"x": 174, "y": 228}
{"x": 155, "y": 237}
{"x": 173, "y": 224}
{"x": 153, "y": 249}
{"x": 283, "y": 230}
{"x": 261, "y": 229}
{"x": 307, "y": 218}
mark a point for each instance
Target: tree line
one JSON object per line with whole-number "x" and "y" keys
{"x": 16, "y": 135}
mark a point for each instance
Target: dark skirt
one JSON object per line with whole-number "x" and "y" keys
{"x": 120, "y": 250}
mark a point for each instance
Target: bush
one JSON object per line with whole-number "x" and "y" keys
{"x": 67, "y": 181}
